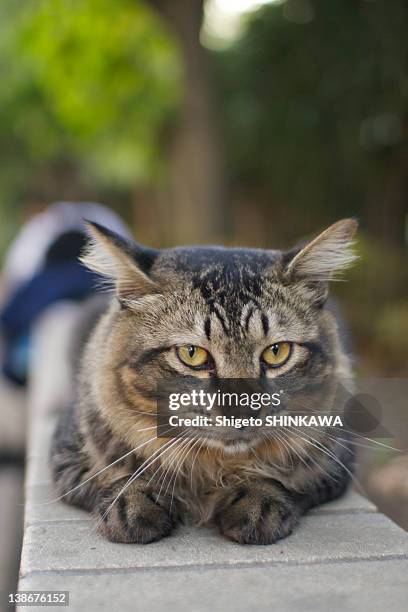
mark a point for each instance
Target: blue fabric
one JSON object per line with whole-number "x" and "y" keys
{"x": 58, "y": 281}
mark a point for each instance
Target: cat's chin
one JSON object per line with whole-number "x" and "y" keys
{"x": 232, "y": 447}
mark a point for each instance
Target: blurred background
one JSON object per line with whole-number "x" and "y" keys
{"x": 239, "y": 122}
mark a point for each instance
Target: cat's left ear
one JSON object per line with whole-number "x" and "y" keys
{"x": 324, "y": 257}
{"x": 121, "y": 262}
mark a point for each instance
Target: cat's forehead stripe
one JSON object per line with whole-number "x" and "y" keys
{"x": 207, "y": 328}
{"x": 265, "y": 323}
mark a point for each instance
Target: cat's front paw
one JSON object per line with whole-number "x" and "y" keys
{"x": 256, "y": 513}
{"x": 137, "y": 516}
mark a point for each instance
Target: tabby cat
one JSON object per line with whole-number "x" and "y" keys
{"x": 208, "y": 312}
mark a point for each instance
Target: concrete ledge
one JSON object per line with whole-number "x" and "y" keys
{"x": 318, "y": 539}
{"x": 347, "y": 587}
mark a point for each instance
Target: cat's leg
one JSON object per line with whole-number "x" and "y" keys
{"x": 70, "y": 465}
{"x": 256, "y": 512}
{"x": 137, "y": 515}
{"x": 328, "y": 485}
{"x": 135, "y": 512}
{"x": 264, "y": 511}
{"x": 95, "y": 483}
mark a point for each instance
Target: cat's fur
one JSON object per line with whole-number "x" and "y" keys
{"x": 234, "y": 303}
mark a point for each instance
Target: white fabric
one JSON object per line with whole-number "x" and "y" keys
{"x": 26, "y": 254}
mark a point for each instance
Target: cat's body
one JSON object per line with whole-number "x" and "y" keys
{"x": 234, "y": 304}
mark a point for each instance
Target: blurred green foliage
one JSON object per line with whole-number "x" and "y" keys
{"x": 87, "y": 85}
{"x": 375, "y": 302}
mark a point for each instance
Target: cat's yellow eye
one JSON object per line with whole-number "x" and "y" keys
{"x": 277, "y": 354}
{"x": 193, "y": 356}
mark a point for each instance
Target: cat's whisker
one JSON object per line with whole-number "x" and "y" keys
{"x": 160, "y": 467}
{"x": 333, "y": 438}
{"x": 339, "y": 440}
{"x": 146, "y": 428}
{"x": 183, "y": 459}
{"x": 137, "y": 474}
{"x": 325, "y": 450}
{"x": 167, "y": 464}
{"x": 174, "y": 458}
{"x": 157, "y": 454}
{"x": 372, "y": 440}
{"x": 179, "y": 440}
{"x": 270, "y": 437}
{"x": 350, "y": 441}
{"x": 127, "y": 484}
{"x": 283, "y": 450}
{"x": 297, "y": 453}
{"x": 194, "y": 460}
{"x": 98, "y": 473}
{"x": 349, "y": 431}
{"x": 368, "y": 446}
{"x": 290, "y": 440}
{"x": 287, "y": 447}
{"x": 287, "y": 443}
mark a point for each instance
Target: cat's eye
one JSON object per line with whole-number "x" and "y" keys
{"x": 277, "y": 354}
{"x": 193, "y": 356}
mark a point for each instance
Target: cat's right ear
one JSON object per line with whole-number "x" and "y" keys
{"x": 118, "y": 262}
{"x": 322, "y": 259}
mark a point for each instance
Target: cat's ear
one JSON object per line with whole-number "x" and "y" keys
{"x": 120, "y": 262}
{"x": 328, "y": 254}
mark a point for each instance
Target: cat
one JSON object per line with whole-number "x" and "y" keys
{"x": 212, "y": 313}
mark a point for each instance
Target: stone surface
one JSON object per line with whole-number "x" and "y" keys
{"x": 39, "y": 436}
{"x": 37, "y": 471}
{"x": 370, "y": 586}
{"x": 351, "y": 502}
{"x": 11, "y": 523}
{"x": 76, "y": 546}
{"x": 42, "y": 505}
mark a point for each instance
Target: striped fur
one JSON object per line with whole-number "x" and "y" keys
{"x": 233, "y": 303}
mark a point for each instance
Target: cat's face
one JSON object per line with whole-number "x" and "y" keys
{"x": 215, "y": 313}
